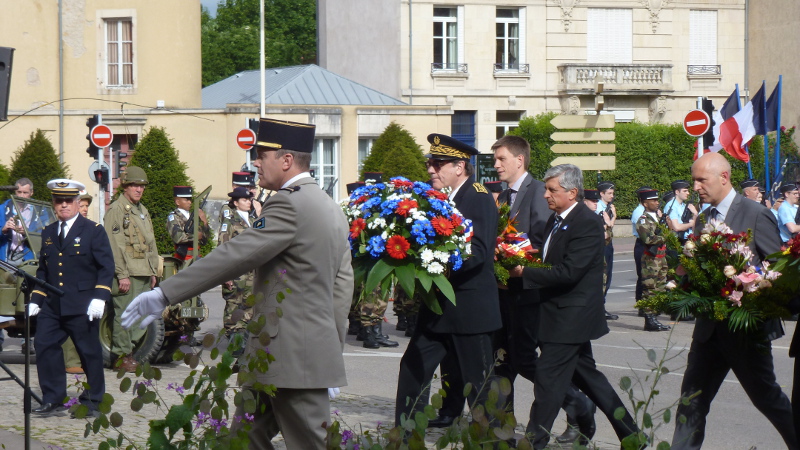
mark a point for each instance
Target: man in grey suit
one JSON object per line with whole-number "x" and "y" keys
{"x": 715, "y": 349}
{"x": 301, "y": 233}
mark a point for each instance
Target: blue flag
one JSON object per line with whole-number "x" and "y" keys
{"x": 731, "y": 106}
{"x": 772, "y": 110}
{"x": 759, "y": 119}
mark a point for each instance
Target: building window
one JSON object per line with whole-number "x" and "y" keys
{"x": 364, "y": 149}
{"x": 609, "y": 34}
{"x": 506, "y": 121}
{"x": 448, "y": 38}
{"x": 324, "y": 163}
{"x": 119, "y": 52}
{"x": 462, "y": 126}
{"x": 510, "y": 39}
{"x": 703, "y": 43}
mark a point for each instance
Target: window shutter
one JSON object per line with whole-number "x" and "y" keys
{"x": 609, "y": 36}
{"x": 702, "y": 38}
{"x": 522, "y": 36}
{"x": 460, "y": 35}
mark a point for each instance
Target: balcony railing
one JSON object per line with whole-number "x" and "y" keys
{"x": 618, "y": 78}
{"x": 704, "y": 70}
{"x": 449, "y": 67}
{"x": 512, "y": 68}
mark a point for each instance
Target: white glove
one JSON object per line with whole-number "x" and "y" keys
{"x": 149, "y": 305}
{"x": 96, "y": 309}
{"x": 333, "y": 392}
{"x": 33, "y": 309}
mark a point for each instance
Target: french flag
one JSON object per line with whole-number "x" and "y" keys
{"x": 734, "y": 127}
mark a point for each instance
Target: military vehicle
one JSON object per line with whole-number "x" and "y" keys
{"x": 162, "y": 337}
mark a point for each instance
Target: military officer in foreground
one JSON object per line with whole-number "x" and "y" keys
{"x": 75, "y": 257}
{"x": 300, "y": 239}
{"x": 177, "y": 222}
{"x": 130, "y": 231}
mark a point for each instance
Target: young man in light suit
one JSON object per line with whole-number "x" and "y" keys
{"x": 308, "y": 339}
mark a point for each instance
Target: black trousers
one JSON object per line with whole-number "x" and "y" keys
{"x": 52, "y": 331}
{"x": 560, "y": 365}
{"x": 638, "y": 252}
{"x": 426, "y": 351}
{"x": 609, "y": 256}
{"x": 796, "y": 396}
{"x": 709, "y": 363}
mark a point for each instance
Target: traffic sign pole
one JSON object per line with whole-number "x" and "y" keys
{"x": 700, "y": 138}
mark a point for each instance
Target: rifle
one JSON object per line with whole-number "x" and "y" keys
{"x": 191, "y": 225}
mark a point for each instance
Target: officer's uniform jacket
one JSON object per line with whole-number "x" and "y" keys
{"x": 130, "y": 232}
{"x": 303, "y": 232}
{"x": 232, "y": 226}
{"x": 83, "y": 267}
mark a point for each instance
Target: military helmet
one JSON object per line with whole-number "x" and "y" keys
{"x": 134, "y": 175}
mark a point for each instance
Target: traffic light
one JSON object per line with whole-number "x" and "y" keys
{"x": 120, "y": 163}
{"x": 101, "y": 176}
{"x": 92, "y": 122}
{"x": 253, "y": 125}
{"x": 708, "y": 138}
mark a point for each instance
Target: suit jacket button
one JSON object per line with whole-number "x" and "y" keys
{"x": 60, "y": 274}
{"x": 60, "y": 264}
{"x": 60, "y": 254}
{"x": 60, "y": 284}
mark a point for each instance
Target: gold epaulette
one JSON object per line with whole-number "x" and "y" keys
{"x": 291, "y": 189}
{"x": 480, "y": 188}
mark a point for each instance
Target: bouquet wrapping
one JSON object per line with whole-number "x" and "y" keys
{"x": 512, "y": 247}
{"x": 406, "y": 232}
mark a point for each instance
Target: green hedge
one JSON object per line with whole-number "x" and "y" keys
{"x": 647, "y": 154}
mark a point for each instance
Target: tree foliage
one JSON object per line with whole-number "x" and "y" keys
{"x": 38, "y": 161}
{"x": 396, "y": 153}
{"x": 646, "y": 154}
{"x": 5, "y": 180}
{"x": 230, "y": 41}
{"x": 158, "y": 157}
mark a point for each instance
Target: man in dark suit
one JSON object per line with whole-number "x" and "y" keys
{"x": 519, "y": 304}
{"x": 76, "y": 257}
{"x": 572, "y": 311}
{"x": 715, "y": 349}
{"x": 463, "y": 329}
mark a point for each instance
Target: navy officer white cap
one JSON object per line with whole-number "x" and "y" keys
{"x": 64, "y": 187}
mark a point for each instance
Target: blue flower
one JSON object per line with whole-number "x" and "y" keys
{"x": 375, "y": 246}
{"x": 455, "y": 260}
{"x": 388, "y": 207}
{"x": 421, "y": 229}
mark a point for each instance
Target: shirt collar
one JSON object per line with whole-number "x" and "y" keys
{"x": 455, "y": 191}
{"x": 517, "y": 184}
{"x": 295, "y": 178}
{"x": 564, "y": 214}
{"x": 725, "y": 204}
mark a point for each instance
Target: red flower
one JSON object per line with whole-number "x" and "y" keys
{"x": 442, "y": 225}
{"x": 397, "y": 247}
{"x": 404, "y": 206}
{"x": 357, "y": 227}
{"x": 436, "y": 194}
{"x": 361, "y": 199}
{"x": 456, "y": 219}
{"x": 402, "y": 184}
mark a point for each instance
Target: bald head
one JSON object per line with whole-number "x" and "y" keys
{"x": 711, "y": 174}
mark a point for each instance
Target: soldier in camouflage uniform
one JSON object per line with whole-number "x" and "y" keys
{"x": 654, "y": 262}
{"x": 407, "y": 308}
{"x": 236, "y": 292}
{"x": 238, "y": 179}
{"x": 130, "y": 231}
{"x": 177, "y": 224}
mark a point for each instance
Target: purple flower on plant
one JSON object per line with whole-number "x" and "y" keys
{"x": 184, "y": 338}
{"x": 249, "y": 417}
{"x": 346, "y": 436}
{"x": 71, "y": 402}
{"x": 180, "y": 390}
{"x": 201, "y": 419}
{"x": 218, "y": 424}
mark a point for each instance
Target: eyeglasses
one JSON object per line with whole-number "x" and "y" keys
{"x": 436, "y": 163}
{"x": 58, "y": 200}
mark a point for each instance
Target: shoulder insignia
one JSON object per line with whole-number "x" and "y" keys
{"x": 128, "y": 208}
{"x": 226, "y": 213}
{"x": 259, "y": 223}
{"x": 48, "y": 241}
{"x": 291, "y": 189}
{"x": 171, "y": 217}
{"x": 223, "y": 228}
{"x": 97, "y": 224}
{"x": 480, "y": 188}
{"x": 115, "y": 229}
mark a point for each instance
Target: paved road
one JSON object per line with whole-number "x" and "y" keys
{"x": 733, "y": 423}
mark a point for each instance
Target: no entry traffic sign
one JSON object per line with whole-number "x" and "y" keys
{"x": 246, "y": 138}
{"x": 696, "y": 123}
{"x": 101, "y": 136}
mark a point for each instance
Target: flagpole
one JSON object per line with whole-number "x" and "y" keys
{"x": 766, "y": 141}
{"x": 778, "y": 128}
{"x": 739, "y": 108}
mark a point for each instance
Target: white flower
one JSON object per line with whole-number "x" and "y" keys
{"x": 671, "y": 285}
{"x": 426, "y": 256}
{"x": 385, "y": 235}
{"x": 417, "y": 214}
{"x": 772, "y": 275}
{"x": 729, "y": 271}
{"x": 435, "y": 268}
{"x": 378, "y": 222}
{"x": 441, "y": 256}
{"x": 705, "y": 238}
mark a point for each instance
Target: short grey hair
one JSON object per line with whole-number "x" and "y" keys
{"x": 569, "y": 177}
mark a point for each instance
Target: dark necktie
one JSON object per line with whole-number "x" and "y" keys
{"x": 713, "y": 214}
{"x": 62, "y": 235}
{"x": 512, "y": 195}
{"x": 553, "y": 231}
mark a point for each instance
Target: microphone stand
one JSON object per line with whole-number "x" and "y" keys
{"x": 27, "y": 285}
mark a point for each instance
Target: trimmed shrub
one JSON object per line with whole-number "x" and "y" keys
{"x": 396, "y": 153}
{"x": 38, "y": 161}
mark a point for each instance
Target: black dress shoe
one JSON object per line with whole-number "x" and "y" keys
{"x": 569, "y": 435}
{"x": 587, "y": 427}
{"x": 651, "y": 323}
{"x": 610, "y": 316}
{"x": 49, "y": 408}
{"x": 441, "y": 422}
